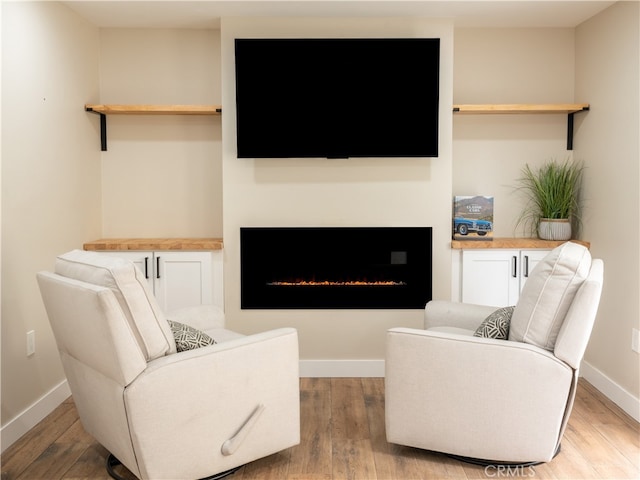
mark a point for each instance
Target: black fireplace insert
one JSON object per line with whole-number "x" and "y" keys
{"x": 335, "y": 267}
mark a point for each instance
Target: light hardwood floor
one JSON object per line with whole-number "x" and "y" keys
{"x": 342, "y": 437}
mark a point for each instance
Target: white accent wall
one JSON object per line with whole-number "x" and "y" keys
{"x": 509, "y": 65}
{"x": 161, "y": 175}
{"x": 51, "y": 186}
{"x": 346, "y": 192}
{"x": 608, "y": 138}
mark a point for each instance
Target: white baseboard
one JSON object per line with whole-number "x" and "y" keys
{"x": 614, "y": 392}
{"x": 30, "y": 417}
{"x": 342, "y": 368}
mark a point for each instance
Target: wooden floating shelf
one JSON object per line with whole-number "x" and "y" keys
{"x": 518, "y": 243}
{"x": 154, "y": 109}
{"x": 133, "y": 244}
{"x": 104, "y": 110}
{"x": 520, "y": 108}
{"x": 568, "y": 109}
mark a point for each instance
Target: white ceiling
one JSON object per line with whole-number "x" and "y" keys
{"x": 466, "y": 13}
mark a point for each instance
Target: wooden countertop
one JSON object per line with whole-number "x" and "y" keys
{"x": 120, "y": 244}
{"x": 123, "y": 244}
{"x": 519, "y": 243}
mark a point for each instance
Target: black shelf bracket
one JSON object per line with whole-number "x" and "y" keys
{"x": 103, "y": 128}
{"x": 570, "y": 127}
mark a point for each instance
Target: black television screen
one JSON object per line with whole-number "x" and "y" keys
{"x": 337, "y": 98}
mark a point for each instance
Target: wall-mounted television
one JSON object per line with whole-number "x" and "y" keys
{"x": 337, "y": 98}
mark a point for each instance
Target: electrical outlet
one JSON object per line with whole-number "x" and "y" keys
{"x": 635, "y": 340}
{"x": 31, "y": 342}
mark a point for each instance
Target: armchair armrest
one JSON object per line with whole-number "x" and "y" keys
{"x": 438, "y": 313}
{"x": 442, "y": 388}
{"x": 205, "y": 396}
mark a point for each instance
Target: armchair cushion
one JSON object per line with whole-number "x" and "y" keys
{"x": 496, "y": 325}
{"x": 202, "y": 317}
{"x": 188, "y": 338}
{"x": 548, "y": 294}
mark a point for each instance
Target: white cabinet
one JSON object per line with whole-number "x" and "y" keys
{"x": 492, "y": 276}
{"x": 181, "y": 278}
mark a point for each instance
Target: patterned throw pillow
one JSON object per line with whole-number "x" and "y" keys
{"x": 188, "y": 338}
{"x": 496, "y": 325}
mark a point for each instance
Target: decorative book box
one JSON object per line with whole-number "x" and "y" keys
{"x": 473, "y": 218}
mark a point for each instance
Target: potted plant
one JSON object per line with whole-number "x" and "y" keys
{"x": 553, "y": 199}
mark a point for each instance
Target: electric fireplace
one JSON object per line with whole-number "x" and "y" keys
{"x": 335, "y": 267}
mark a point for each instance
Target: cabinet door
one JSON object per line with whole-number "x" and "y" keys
{"x": 528, "y": 260}
{"x": 142, "y": 259}
{"x": 490, "y": 277}
{"x": 183, "y": 279}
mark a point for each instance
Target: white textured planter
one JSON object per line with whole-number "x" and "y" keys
{"x": 554, "y": 229}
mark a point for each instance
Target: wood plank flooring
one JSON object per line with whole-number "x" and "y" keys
{"x": 343, "y": 437}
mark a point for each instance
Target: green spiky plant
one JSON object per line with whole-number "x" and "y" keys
{"x": 552, "y": 191}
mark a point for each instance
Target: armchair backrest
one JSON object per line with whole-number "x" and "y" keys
{"x": 131, "y": 290}
{"x": 549, "y": 294}
{"x": 90, "y": 329}
{"x": 578, "y": 323}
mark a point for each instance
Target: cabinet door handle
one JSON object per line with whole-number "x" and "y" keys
{"x": 514, "y": 272}
{"x": 157, "y": 267}
{"x": 526, "y": 265}
{"x": 146, "y": 267}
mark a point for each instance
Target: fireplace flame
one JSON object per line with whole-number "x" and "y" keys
{"x": 333, "y": 283}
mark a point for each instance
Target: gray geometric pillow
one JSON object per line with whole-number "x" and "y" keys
{"x": 188, "y": 338}
{"x": 496, "y": 325}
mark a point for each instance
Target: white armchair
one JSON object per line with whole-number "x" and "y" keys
{"x": 167, "y": 414}
{"x": 496, "y": 400}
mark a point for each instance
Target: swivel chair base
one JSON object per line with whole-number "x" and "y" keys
{"x": 493, "y": 463}
{"x": 113, "y": 462}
